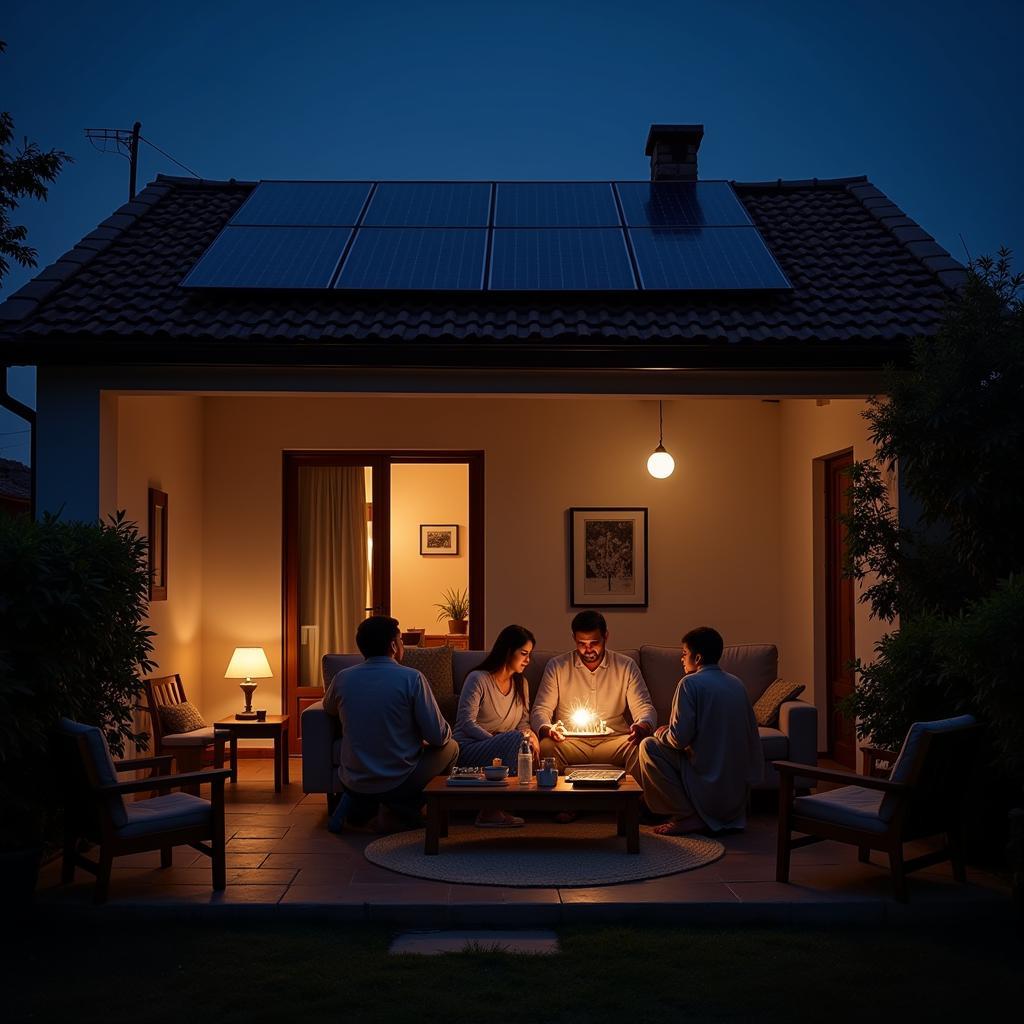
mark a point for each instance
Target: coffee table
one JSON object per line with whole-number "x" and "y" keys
{"x": 442, "y": 799}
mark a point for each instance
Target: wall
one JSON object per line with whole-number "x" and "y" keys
{"x": 808, "y": 432}
{"x": 714, "y": 525}
{"x": 436, "y": 493}
{"x": 160, "y": 444}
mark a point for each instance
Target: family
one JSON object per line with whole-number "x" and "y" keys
{"x": 695, "y": 770}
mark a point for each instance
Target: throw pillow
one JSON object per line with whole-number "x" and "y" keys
{"x": 436, "y": 664}
{"x": 184, "y": 717}
{"x": 766, "y": 707}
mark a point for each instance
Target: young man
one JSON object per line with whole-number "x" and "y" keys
{"x": 394, "y": 739}
{"x": 606, "y": 683}
{"x": 698, "y": 768}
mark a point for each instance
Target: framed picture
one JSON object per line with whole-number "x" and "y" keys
{"x": 608, "y": 557}
{"x": 439, "y": 539}
{"x": 157, "y": 545}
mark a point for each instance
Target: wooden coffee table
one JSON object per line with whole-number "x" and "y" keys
{"x": 442, "y": 799}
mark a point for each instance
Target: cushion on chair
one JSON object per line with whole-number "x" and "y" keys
{"x": 906, "y": 763}
{"x": 853, "y": 806}
{"x": 766, "y": 707}
{"x": 196, "y": 738}
{"x": 103, "y": 764}
{"x": 183, "y": 717}
{"x": 436, "y": 664}
{"x": 175, "y": 810}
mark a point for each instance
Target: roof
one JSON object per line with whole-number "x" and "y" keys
{"x": 866, "y": 279}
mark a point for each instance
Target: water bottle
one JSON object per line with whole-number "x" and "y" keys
{"x": 524, "y": 765}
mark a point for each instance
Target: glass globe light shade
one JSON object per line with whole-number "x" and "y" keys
{"x": 660, "y": 464}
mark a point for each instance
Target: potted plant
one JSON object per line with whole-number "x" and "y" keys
{"x": 455, "y": 608}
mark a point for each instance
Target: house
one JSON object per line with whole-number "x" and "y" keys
{"x": 495, "y": 407}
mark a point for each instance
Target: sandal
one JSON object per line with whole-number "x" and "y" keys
{"x": 505, "y": 821}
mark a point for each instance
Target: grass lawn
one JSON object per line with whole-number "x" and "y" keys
{"x": 320, "y": 972}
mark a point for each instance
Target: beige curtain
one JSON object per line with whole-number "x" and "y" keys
{"x": 333, "y": 561}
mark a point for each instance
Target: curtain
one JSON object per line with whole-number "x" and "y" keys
{"x": 333, "y": 562}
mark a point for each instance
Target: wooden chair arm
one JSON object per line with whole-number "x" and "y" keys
{"x": 165, "y": 782}
{"x": 134, "y": 763}
{"x": 844, "y": 778}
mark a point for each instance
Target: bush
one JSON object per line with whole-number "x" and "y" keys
{"x": 73, "y": 600}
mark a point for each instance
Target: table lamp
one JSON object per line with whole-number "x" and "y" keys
{"x": 245, "y": 663}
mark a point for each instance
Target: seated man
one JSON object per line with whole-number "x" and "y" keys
{"x": 600, "y": 681}
{"x": 698, "y": 767}
{"x": 394, "y": 739}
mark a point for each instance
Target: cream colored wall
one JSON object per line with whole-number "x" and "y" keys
{"x": 160, "y": 443}
{"x": 714, "y": 525}
{"x": 810, "y": 432}
{"x": 429, "y": 493}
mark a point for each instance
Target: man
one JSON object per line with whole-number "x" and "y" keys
{"x": 599, "y": 680}
{"x": 394, "y": 739}
{"x": 698, "y": 768}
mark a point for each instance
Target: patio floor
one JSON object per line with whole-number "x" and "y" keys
{"x": 282, "y": 861}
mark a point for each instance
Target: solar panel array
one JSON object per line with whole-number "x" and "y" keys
{"x": 496, "y": 236}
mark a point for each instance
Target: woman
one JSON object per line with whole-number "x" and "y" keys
{"x": 494, "y": 712}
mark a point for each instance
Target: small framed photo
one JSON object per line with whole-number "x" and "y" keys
{"x": 608, "y": 557}
{"x": 439, "y": 539}
{"x": 157, "y": 545}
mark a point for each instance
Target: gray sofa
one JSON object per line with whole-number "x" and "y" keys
{"x": 795, "y": 738}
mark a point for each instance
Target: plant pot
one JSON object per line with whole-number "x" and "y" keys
{"x": 458, "y": 625}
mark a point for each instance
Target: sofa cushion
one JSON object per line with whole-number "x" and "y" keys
{"x": 774, "y": 743}
{"x": 332, "y": 664}
{"x": 854, "y": 806}
{"x": 183, "y": 717}
{"x": 766, "y": 707}
{"x": 436, "y": 664}
{"x": 756, "y": 666}
{"x": 662, "y": 671}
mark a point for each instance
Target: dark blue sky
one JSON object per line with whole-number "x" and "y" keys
{"x": 923, "y": 97}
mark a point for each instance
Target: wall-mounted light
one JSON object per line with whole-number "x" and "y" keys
{"x": 660, "y": 464}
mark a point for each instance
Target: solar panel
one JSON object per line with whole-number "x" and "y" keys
{"x": 560, "y": 259}
{"x": 438, "y": 259}
{"x": 268, "y": 257}
{"x": 304, "y": 203}
{"x": 704, "y": 258}
{"x": 538, "y": 204}
{"x": 453, "y": 204}
{"x": 680, "y": 203}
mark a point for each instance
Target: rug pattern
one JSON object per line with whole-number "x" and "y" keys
{"x": 545, "y": 854}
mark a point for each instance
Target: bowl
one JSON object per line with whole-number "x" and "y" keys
{"x": 495, "y": 773}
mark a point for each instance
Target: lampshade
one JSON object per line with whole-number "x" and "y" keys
{"x": 248, "y": 663}
{"x": 660, "y": 464}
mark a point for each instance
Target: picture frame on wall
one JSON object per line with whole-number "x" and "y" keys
{"x": 608, "y": 557}
{"x": 157, "y": 545}
{"x": 439, "y": 539}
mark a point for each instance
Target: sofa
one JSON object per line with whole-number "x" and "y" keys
{"x": 794, "y": 739}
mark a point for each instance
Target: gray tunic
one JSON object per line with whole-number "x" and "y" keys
{"x": 387, "y": 712}
{"x": 484, "y": 711}
{"x": 711, "y": 714}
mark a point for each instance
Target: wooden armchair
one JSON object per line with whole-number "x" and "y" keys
{"x": 922, "y": 797}
{"x": 95, "y": 809}
{"x": 189, "y": 749}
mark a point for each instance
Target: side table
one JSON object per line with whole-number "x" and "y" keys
{"x": 275, "y": 726}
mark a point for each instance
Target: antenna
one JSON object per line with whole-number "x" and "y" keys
{"x": 125, "y": 142}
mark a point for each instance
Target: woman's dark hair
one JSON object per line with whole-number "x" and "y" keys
{"x": 706, "y": 642}
{"x": 506, "y": 643}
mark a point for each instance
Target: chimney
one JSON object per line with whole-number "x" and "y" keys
{"x": 673, "y": 151}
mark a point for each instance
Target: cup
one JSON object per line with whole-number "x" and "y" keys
{"x": 261, "y": 714}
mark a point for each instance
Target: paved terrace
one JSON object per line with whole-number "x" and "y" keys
{"x": 281, "y": 861}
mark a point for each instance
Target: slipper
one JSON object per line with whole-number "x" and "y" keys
{"x": 507, "y": 821}
{"x": 676, "y": 827}
{"x": 566, "y": 817}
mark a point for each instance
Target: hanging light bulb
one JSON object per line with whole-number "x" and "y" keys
{"x": 660, "y": 464}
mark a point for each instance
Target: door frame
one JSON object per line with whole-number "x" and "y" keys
{"x": 380, "y": 461}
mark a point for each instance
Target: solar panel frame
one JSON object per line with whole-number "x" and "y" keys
{"x": 506, "y": 271}
{"x": 255, "y": 252}
{"x": 725, "y": 259}
{"x": 681, "y": 204}
{"x": 304, "y": 204}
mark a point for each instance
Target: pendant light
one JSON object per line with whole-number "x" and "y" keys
{"x": 660, "y": 464}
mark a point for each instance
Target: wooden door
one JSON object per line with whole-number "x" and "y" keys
{"x": 839, "y": 611}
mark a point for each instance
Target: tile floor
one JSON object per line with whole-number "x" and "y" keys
{"x": 282, "y": 860}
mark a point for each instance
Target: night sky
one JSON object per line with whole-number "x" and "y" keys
{"x": 922, "y": 97}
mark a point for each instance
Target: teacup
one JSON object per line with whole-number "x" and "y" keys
{"x": 496, "y": 772}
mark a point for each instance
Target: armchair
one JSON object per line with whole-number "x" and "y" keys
{"x": 921, "y": 798}
{"x": 188, "y": 748}
{"x": 95, "y": 809}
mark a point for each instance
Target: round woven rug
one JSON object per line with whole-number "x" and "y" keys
{"x": 542, "y": 854}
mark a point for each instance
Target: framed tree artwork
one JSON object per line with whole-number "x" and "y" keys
{"x": 439, "y": 539}
{"x": 157, "y": 545}
{"x": 608, "y": 557}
